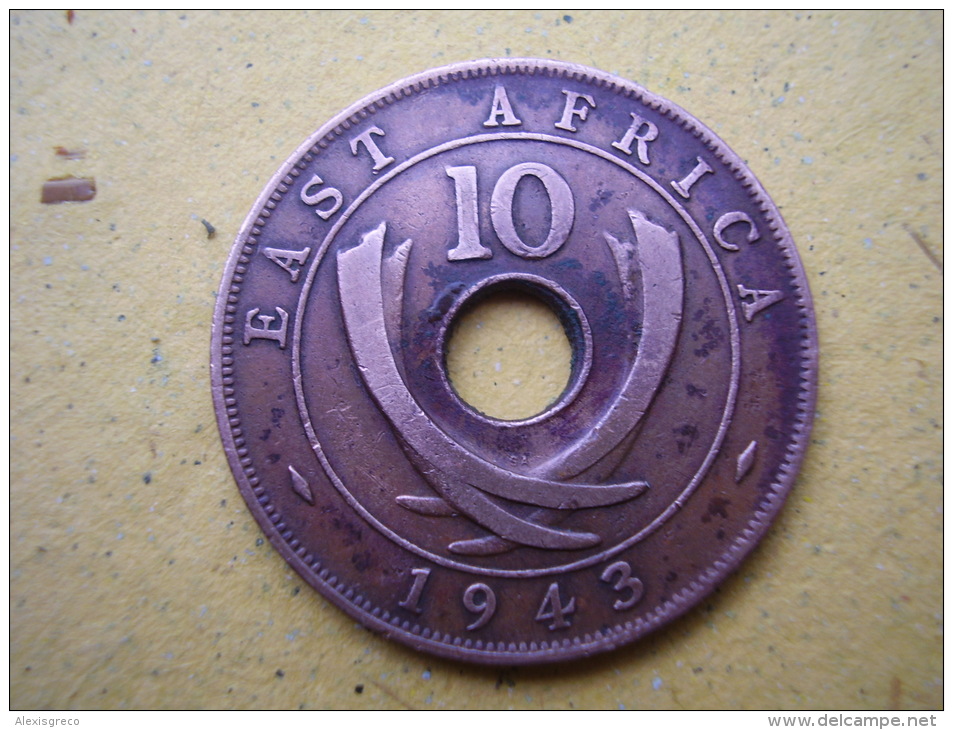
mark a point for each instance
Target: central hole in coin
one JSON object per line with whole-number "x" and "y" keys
{"x": 508, "y": 355}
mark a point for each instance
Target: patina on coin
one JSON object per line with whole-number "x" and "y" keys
{"x": 626, "y": 500}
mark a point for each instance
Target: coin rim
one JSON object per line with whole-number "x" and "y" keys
{"x": 513, "y": 652}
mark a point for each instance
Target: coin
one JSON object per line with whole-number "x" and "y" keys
{"x": 626, "y": 500}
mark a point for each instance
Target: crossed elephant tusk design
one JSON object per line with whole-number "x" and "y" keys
{"x": 467, "y": 483}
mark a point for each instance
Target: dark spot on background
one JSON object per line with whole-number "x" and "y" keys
{"x": 362, "y": 561}
{"x": 443, "y": 301}
{"x": 353, "y": 531}
{"x": 68, "y": 190}
{"x": 77, "y": 154}
{"x": 602, "y": 197}
{"x": 694, "y": 391}
{"x": 718, "y": 506}
{"x": 685, "y": 436}
{"x": 505, "y": 678}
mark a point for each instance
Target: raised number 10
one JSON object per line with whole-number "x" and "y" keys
{"x": 501, "y": 212}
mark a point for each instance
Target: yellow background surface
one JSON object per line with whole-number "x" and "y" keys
{"x": 139, "y": 579}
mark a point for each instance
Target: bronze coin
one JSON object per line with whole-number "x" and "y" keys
{"x": 625, "y": 501}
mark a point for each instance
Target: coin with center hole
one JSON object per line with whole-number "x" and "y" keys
{"x": 685, "y": 402}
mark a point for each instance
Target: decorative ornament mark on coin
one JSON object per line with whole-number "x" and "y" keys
{"x": 627, "y": 499}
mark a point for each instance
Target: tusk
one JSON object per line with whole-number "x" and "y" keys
{"x": 660, "y": 260}
{"x": 364, "y": 318}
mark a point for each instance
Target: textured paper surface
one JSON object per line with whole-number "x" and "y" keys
{"x": 139, "y": 580}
